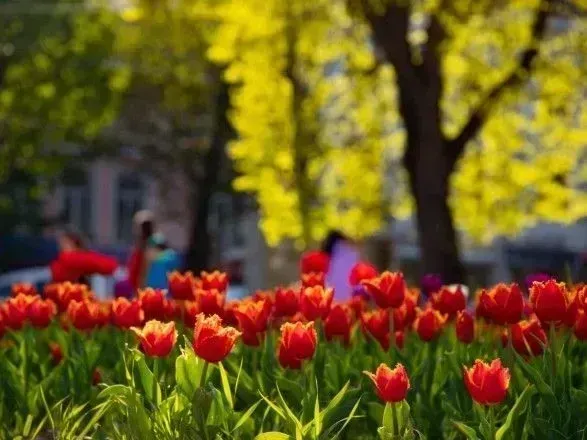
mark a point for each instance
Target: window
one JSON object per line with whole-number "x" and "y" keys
{"x": 77, "y": 200}
{"x": 130, "y": 199}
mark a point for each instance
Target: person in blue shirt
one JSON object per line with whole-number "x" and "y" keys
{"x": 162, "y": 260}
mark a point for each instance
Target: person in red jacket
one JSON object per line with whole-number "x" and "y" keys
{"x": 75, "y": 263}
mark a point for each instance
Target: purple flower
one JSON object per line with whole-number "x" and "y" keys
{"x": 536, "y": 278}
{"x": 359, "y": 290}
{"x": 431, "y": 283}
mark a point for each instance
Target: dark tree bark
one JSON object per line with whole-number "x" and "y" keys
{"x": 430, "y": 158}
{"x": 200, "y": 244}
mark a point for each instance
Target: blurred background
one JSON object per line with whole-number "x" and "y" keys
{"x": 444, "y": 137}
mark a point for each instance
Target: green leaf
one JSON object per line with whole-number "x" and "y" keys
{"x": 515, "y": 412}
{"x": 273, "y": 406}
{"x": 317, "y": 415}
{"x": 246, "y": 416}
{"x": 273, "y": 436}
{"x": 334, "y": 403}
{"x": 387, "y": 422}
{"x": 348, "y": 419}
{"x": 467, "y": 431}
{"x": 225, "y": 385}
{"x": 147, "y": 378}
{"x": 188, "y": 371}
{"x": 290, "y": 414}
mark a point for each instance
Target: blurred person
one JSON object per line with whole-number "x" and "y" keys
{"x": 76, "y": 263}
{"x": 161, "y": 260}
{"x": 144, "y": 227}
{"x": 344, "y": 255}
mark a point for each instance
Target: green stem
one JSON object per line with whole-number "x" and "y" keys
{"x": 552, "y": 336}
{"x": 155, "y": 380}
{"x": 204, "y": 374}
{"x": 396, "y": 432}
{"x": 25, "y": 360}
{"x": 431, "y": 367}
{"x": 392, "y": 333}
{"x": 491, "y": 423}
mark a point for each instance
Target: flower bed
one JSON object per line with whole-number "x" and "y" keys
{"x": 290, "y": 364}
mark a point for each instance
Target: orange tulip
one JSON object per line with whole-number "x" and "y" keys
{"x": 314, "y": 261}
{"x": 298, "y": 343}
{"x": 528, "y": 337}
{"x": 214, "y": 280}
{"x": 83, "y": 315}
{"x": 127, "y": 314}
{"x": 388, "y": 290}
{"x": 252, "y": 317}
{"x": 51, "y": 291}
{"x": 41, "y": 312}
{"x": 212, "y": 341}
{"x": 338, "y": 323}
{"x": 157, "y": 339}
{"x": 448, "y": 301}
{"x": 487, "y": 383}
{"x": 56, "y": 353}
{"x": 313, "y": 279}
{"x": 24, "y": 288}
{"x": 465, "y": 327}
{"x": 287, "y": 302}
{"x": 182, "y": 286}
{"x": 391, "y": 385}
{"x": 16, "y": 310}
{"x": 504, "y": 304}
{"x": 550, "y": 301}
{"x": 211, "y": 301}
{"x": 429, "y": 324}
{"x": 377, "y": 324}
{"x": 315, "y": 302}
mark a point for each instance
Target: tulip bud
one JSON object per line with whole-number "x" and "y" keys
{"x": 528, "y": 337}
{"x": 338, "y": 324}
{"x": 315, "y": 302}
{"x": 157, "y": 339}
{"x": 429, "y": 324}
{"x": 465, "y": 327}
{"x": 212, "y": 341}
{"x": 298, "y": 343}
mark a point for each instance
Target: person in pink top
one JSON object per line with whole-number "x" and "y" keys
{"x": 344, "y": 255}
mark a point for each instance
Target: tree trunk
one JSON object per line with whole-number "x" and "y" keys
{"x": 200, "y": 245}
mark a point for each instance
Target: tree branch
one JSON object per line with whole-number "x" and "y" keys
{"x": 478, "y": 117}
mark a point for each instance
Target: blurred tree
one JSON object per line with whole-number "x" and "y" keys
{"x": 489, "y": 114}
{"x": 129, "y": 83}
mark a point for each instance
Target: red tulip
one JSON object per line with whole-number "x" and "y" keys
{"x": 153, "y": 303}
{"x": 528, "y": 337}
{"x": 214, "y": 280}
{"x": 68, "y": 292}
{"x": 104, "y": 314}
{"x": 314, "y": 261}
{"x": 211, "y": 301}
{"x": 313, "y": 279}
{"x": 127, "y": 314}
{"x": 83, "y": 315}
{"x": 182, "y": 286}
{"x": 377, "y": 324}
{"x": 287, "y": 302}
{"x": 429, "y": 324}
{"x": 504, "y": 304}
{"x": 449, "y": 301}
{"x": 157, "y": 339}
{"x": 487, "y": 383}
{"x": 399, "y": 339}
{"x": 315, "y": 302}
{"x": 252, "y": 318}
{"x": 391, "y": 385}
{"x": 96, "y": 377}
{"x": 16, "y": 310}
{"x": 56, "y": 353}
{"x": 51, "y": 291}
{"x": 2, "y": 325}
{"x": 388, "y": 290}
{"x": 190, "y": 312}
{"x": 338, "y": 323}
{"x": 550, "y": 301}
{"x": 212, "y": 341}
{"x": 24, "y": 288}
{"x": 264, "y": 295}
{"x": 298, "y": 343}
{"x": 409, "y": 306}
{"x": 481, "y": 308}
{"x": 229, "y": 317}
{"x": 465, "y": 327}
{"x": 362, "y": 272}
{"x": 580, "y": 327}
{"x": 41, "y": 312}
